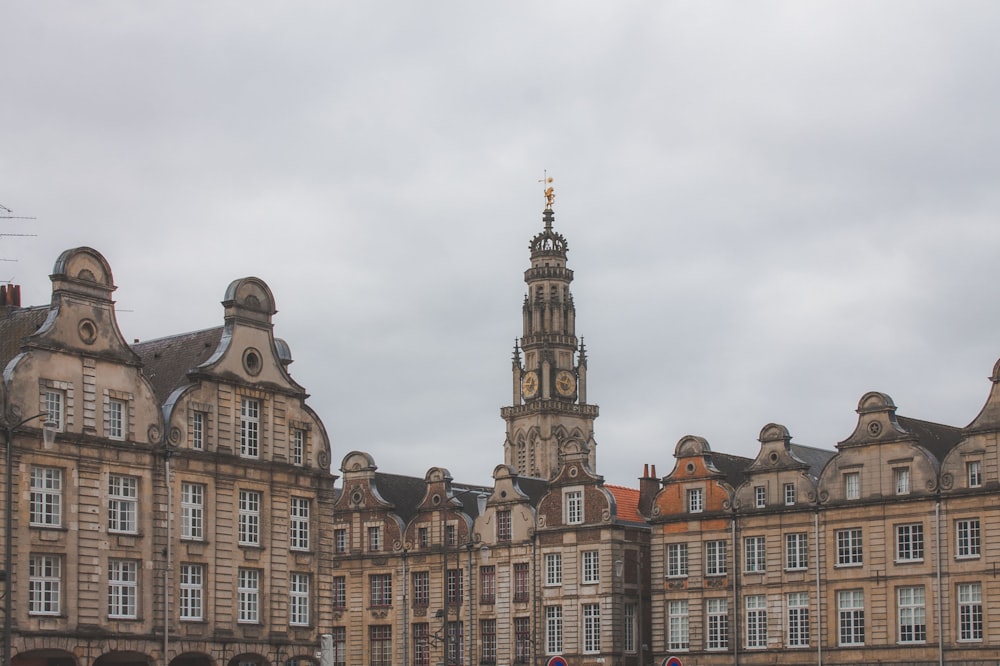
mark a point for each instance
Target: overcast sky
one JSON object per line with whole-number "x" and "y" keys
{"x": 771, "y": 207}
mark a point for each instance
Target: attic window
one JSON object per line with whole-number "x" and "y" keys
{"x": 251, "y": 361}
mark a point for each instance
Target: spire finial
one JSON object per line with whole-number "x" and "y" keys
{"x": 549, "y": 191}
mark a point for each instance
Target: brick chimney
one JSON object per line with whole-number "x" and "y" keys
{"x": 649, "y": 485}
{"x": 10, "y": 298}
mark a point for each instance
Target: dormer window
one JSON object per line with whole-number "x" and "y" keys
{"x": 760, "y": 496}
{"x": 695, "y": 500}
{"x": 974, "y": 474}
{"x": 852, "y": 485}
{"x": 901, "y": 478}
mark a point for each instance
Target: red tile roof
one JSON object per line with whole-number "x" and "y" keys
{"x": 627, "y": 500}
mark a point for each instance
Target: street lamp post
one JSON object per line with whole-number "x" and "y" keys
{"x": 8, "y": 552}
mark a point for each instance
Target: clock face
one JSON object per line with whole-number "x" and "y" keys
{"x": 529, "y": 384}
{"x": 565, "y": 383}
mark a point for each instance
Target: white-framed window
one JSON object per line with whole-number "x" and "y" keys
{"x": 970, "y": 612}
{"x": 46, "y": 497}
{"x": 678, "y": 626}
{"x": 629, "y": 633}
{"x": 248, "y": 596}
{"x": 760, "y": 496}
{"x": 912, "y": 614}
{"x": 553, "y": 569}
{"x": 677, "y": 560}
{"x": 249, "y": 428}
{"x": 852, "y": 485}
{"x": 374, "y": 538}
{"x": 910, "y": 543}
{"x": 901, "y": 480}
{"x": 192, "y": 592}
{"x": 453, "y": 586}
{"x": 967, "y": 538}
{"x": 299, "y": 523}
{"x": 198, "y": 431}
{"x": 44, "y": 585}
{"x": 553, "y": 630}
{"x": 755, "y": 555}
{"x": 797, "y": 608}
{"x": 123, "y": 589}
{"x": 123, "y": 504}
{"x": 574, "y": 507}
{"x": 192, "y": 511}
{"x": 715, "y": 558}
{"x": 117, "y": 415}
{"x": 380, "y": 589}
{"x": 756, "y": 619}
{"x": 54, "y": 402}
{"x": 503, "y": 525}
{"x": 249, "y": 532}
{"x": 850, "y": 549}
{"x": 298, "y": 600}
{"x": 298, "y": 446}
{"x": 789, "y": 494}
{"x": 591, "y": 628}
{"x": 974, "y": 474}
{"x": 695, "y": 500}
{"x": 796, "y": 551}
{"x": 340, "y": 540}
{"x": 850, "y": 617}
{"x": 717, "y": 616}
{"x": 591, "y": 566}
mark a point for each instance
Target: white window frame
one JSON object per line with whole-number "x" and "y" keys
{"x": 44, "y": 584}
{"x": 591, "y": 568}
{"x": 117, "y": 416}
{"x": 191, "y": 602}
{"x": 852, "y": 485}
{"x": 755, "y": 554}
{"x": 974, "y": 474}
{"x": 198, "y": 422}
{"x": 910, "y": 542}
{"x": 797, "y": 551}
{"x": 850, "y": 618}
{"x": 123, "y": 504}
{"x": 901, "y": 480}
{"x": 850, "y": 547}
{"x": 573, "y": 500}
{"x": 695, "y": 500}
{"x": 250, "y": 502}
{"x": 250, "y": 427}
{"x": 911, "y": 614}
{"x": 192, "y": 511}
{"x": 629, "y": 632}
{"x": 715, "y": 558}
{"x": 553, "y": 569}
{"x": 340, "y": 544}
{"x": 45, "y": 496}
{"x": 760, "y": 497}
{"x": 504, "y": 528}
{"x": 54, "y": 406}
{"x": 677, "y": 560}
{"x": 797, "y": 610}
{"x": 756, "y": 621}
{"x": 374, "y": 538}
{"x": 298, "y": 528}
{"x": 591, "y": 628}
{"x": 717, "y": 623}
{"x": 298, "y": 600}
{"x": 338, "y": 591}
{"x": 298, "y": 453}
{"x": 248, "y": 596}
{"x": 968, "y": 539}
{"x": 123, "y": 589}
{"x": 970, "y": 612}
{"x": 789, "y": 494}
{"x": 553, "y": 630}
{"x": 678, "y": 625}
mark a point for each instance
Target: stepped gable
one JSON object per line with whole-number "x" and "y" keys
{"x": 167, "y": 361}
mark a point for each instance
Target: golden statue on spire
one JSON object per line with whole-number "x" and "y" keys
{"x": 550, "y": 192}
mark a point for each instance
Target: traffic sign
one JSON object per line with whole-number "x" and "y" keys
{"x": 556, "y": 661}
{"x": 672, "y": 661}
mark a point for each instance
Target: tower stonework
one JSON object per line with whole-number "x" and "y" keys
{"x": 549, "y": 367}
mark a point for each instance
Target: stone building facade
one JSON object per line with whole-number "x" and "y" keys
{"x": 172, "y": 502}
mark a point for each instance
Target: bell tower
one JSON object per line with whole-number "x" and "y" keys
{"x": 549, "y": 365}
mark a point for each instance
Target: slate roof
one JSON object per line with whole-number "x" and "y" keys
{"x": 732, "y": 467}
{"x": 626, "y": 503}
{"x": 407, "y": 492}
{"x": 533, "y": 487}
{"x": 15, "y": 326}
{"x": 166, "y": 361}
{"x": 937, "y": 438}
{"x": 815, "y": 458}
